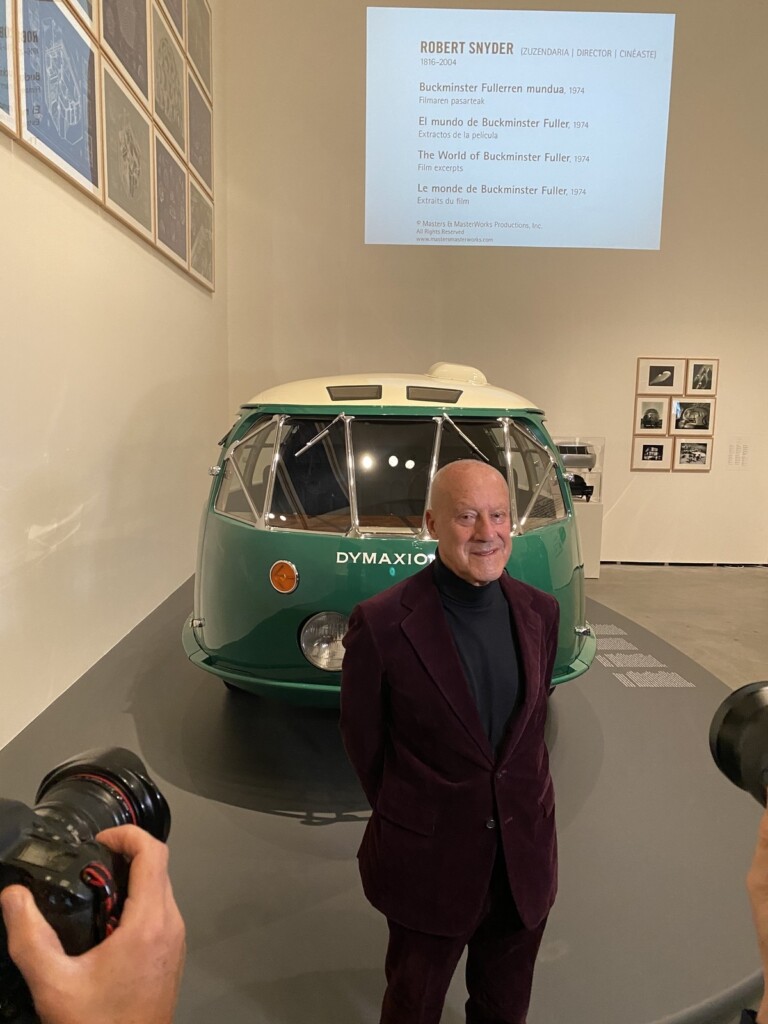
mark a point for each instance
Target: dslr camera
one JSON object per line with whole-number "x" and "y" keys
{"x": 79, "y": 885}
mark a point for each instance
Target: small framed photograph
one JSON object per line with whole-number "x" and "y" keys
{"x": 199, "y": 40}
{"x": 168, "y": 80}
{"x": 125, "y": 37}
{"x": 60, "y": 91}
{"x": 175, "y": 11}
{"x": 651, "y": 415}
{"x": 661, "y": 376}
{"x": 128, "y": 184}
{"x": 693, "y": 454}
{"x": 170, "y": 202}
{"x": 200, "y": 235}
{"x": 652, "y": 453}
{"x": 701, "y": 378}
{"x": 200, "y": 133}
{"x": 7, "y": 68}
{"x": 693, "y": 415}
{"x": 87, "y": 10}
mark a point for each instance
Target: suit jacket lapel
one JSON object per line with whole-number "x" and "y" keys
{"x": 427, "y": 630}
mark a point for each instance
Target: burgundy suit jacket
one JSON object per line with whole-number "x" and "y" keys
{"x": 441, "y": 798}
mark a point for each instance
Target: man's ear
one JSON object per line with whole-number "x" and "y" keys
{"x": 430, "y": 520}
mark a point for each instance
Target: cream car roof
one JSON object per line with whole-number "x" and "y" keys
{"x": 476, "y": 392}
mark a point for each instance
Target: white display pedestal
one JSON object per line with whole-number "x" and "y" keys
{"x": 589, "y": 517}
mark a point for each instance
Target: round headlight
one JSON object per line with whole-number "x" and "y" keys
{"x": 321, "y": 640}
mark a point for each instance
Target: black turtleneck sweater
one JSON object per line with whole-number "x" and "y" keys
{"x": 484, "y": 633}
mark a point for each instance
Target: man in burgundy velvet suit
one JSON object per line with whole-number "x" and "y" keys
{"x": 443, "y": 704}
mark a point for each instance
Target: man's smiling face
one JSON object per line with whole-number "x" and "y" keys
{"x": 469, "y": 518}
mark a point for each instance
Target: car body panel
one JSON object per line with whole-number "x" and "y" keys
{"x": 247, "y": 633}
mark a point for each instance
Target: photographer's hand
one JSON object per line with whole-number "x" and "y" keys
{"x": 133, "y": 976}
{"x": 757, "y": 886}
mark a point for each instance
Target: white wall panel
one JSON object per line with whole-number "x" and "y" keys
{"x": 113, "y": 396}
{"x": 564, "y": 327}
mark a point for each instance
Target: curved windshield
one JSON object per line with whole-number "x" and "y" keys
{"x": 352, "y": 475}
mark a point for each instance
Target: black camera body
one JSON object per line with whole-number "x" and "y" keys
{"x": 78, "y": 884}
{"x": 61, "y": 872}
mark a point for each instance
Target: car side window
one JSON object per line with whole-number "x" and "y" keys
{"x": 243, "y": 488}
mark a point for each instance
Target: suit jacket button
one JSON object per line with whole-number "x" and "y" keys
{"x": 490, "y": 823}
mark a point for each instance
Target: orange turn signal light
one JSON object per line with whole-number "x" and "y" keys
{"x": 284, "y": 577}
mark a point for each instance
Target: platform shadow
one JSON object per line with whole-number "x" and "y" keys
{"x": 247, "y": 751}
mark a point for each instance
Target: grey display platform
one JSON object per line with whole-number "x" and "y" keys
{"x": 651, "y": 925}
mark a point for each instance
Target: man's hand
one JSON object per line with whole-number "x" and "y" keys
{"x": 130, "y": 978}
{"x": 757, "y": 887}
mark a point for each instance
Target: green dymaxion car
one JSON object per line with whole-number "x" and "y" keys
{"x": 318, "y": 502}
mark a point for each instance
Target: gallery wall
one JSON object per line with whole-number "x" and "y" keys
{"x": 563, "y": 327}
{"x": 114, "y": 394}
{"x": 116, "y": 387}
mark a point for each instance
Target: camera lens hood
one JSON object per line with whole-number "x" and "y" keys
{"x": 129, "y": 795}
{"x": 738, "y": 739}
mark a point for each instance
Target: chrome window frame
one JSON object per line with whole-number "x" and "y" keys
{"x": 228, "y": 457}
{"x": 509, "y": 425}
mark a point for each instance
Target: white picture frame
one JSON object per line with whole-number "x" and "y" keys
{"x": 660, "y": 376}
{"x": 651, "y": 415}
{"x": 652, "y": 454}
{"x": 701, "y": 377}
{"x": 693, "y": 454}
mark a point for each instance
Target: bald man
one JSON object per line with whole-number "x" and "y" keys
{"x": 443, "y": 705}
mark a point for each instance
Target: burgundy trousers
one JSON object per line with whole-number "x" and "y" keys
{"x": 501, "y": 957}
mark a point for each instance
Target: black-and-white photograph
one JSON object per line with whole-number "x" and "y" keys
{"x": 693, "y": 455}
{"x": 661, "y": 376}
{"x": 701, "y": 378}
{"x": 651, "y": 415}
{"x": 694, "y": 416}
{"x": 656, "y": 454}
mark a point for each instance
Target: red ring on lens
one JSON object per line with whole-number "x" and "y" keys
{"x": 115, "y": 790}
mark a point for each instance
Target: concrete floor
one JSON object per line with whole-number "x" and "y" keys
{"x": 716, "y": 615}
{"x": 268, "y": 815}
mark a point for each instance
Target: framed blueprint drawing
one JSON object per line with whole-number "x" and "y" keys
{"x": 168, "y": 72}
{"x": 87, "y": 10}
{"x": 60, "y": 94}
{"x": 200, "y": 234}
{"x": 175, "y": 11}
{"x": 128, "y": 179}
{"x": 125, "y": 37}
{"x": 200, "y": 125}
{"x": 7, "y": 67}
{"x": 199, "y": 40}
{"x": 171, "y": 202}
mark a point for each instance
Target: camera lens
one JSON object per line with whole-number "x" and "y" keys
{"x": 738, "y": 739}
{"x": 102, "y": 788}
